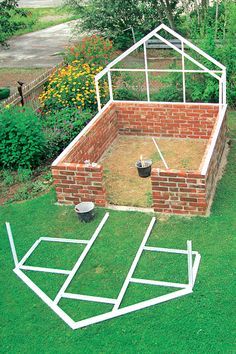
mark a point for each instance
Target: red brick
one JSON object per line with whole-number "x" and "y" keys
{"x": 169, "y": 120}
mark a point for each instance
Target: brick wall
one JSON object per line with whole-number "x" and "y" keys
{"x": 74, "y": 180}
{"x": 178, "y": 192}
{"x": 182, "y": 192}
{"x": 77, "y": 183}
{"x": 97, "y": 139}
{"x": 212, "y": 171}
{"x": 166, "y": 120}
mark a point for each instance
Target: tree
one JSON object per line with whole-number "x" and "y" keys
{"x": 8, "y": 26}
{"x": 167, "y": 7}
{"x": 113, "y": 18}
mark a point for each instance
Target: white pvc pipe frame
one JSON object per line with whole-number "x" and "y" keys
{"x": 222, "y": 69}
{"x": 116, "y": 311}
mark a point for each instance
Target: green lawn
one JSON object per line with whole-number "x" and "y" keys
{"x": 201, "y": 322}
{"x": 40, "y": 18}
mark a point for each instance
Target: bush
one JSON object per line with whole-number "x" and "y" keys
{"x": 115, "y": 18}
{"x": 73, "y": 86}
{"x": 24, "y": 174}
{"x": 7, "y": 178}
{"x": 92, "y": 50}
{"x": 28, "y": 190}
{"x": 168, "y": 94}
{"x": 216, "y": 38}
{"x": 124, "y": 94}
{"x": 22, "y": 141}
{"x": 62, "y": 126}
{"x": 4, "y": 93}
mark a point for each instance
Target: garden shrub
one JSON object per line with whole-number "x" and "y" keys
{"x": 114, "y": 19}
{"x": 29, "y": 190}
{"x": 62, "y": 126}
{"x": 24, "y": 174}
{"x": 22, "y": 140}
{"x": 168, "y": 94}
{"x": 73, "y": 86}
{"x": 92, "y": 50}
{"x": 124, "y": 94}
{"x": 7, "y": 178}
{"x": 129, "y": 86}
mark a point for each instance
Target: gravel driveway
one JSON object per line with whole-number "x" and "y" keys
{"x": 38, "y": 49}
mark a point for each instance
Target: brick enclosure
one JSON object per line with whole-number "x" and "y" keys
{"x": 169, "y": 120}
{"x": 174, "y": 191}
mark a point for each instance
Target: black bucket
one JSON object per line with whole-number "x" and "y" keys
{"x": 144, "y": 170}
{"x": 85, "y": 211}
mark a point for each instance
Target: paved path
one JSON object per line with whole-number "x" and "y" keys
{"x": 38, "y": 49}
{"x": 40, "y": 3}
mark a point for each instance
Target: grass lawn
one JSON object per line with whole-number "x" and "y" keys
{"x": 201, "y": 322}
{"x": 40, "y": 18}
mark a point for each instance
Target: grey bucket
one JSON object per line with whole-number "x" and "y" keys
{"x": 85, "y": 211}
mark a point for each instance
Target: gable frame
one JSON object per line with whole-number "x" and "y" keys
{"x": 220, "y": 74}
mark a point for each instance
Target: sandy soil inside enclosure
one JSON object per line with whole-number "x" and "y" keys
{"x": 124, "y": 186}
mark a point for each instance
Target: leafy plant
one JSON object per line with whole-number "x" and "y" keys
{"x": 73, "y": 86}
{"x": 62, "y": 126}
{"x": 124, "y": 94}
{"x": 38, "y": 187}
{"x": 114, "y": 19}
{"x": 130, "y": 86}
{"x": 24, "y": 174}
{"x": 47, "y": 176}
{"x": 92, "y": 50}
{"x": 7, "y": 178}
{"x": 214, "y": 32}
{"x": 28, "y": 190}
{"x": 22, "y": 140}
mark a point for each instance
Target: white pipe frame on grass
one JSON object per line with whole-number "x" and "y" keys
{"x": 134, "y": 264}
{"x": 116, "y": 311}
{"x": 13, "y": 249}
{"x": 80, "y": 259}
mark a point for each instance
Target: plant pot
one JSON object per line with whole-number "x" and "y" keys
{"x": 4, "y": 92}
{"x": 85, "y": 211}
{"x": 144, "y": 168}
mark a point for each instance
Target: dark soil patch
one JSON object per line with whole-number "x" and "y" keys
{"x": 10, "y": 76}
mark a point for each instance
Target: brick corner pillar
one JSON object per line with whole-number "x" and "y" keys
{"x": 77, "y": 183}
{"x": 179, "y": 192}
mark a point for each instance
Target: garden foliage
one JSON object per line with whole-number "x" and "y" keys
{"x": 73, "y": 86}
{"x": 114, "y": 19}
{"x": 12, "y": 19}
{"x": 216, "y": 36}
{"x": 61, "y": 127}
{"x": 93, "y": 49}
{"x": 22, "y": 140}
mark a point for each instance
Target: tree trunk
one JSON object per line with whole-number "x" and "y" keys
{"x": 165, "y": 4}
